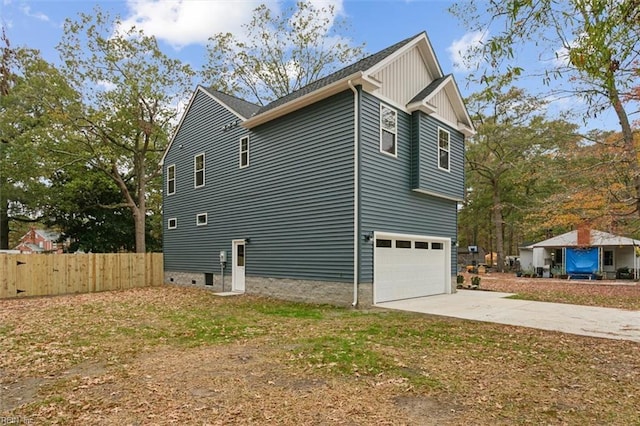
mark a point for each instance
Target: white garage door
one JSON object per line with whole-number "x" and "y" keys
{"x": 407, "y": 266}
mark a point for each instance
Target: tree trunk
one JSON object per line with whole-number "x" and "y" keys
{"x": 497, "y": 224}
{"x": 4, "y": 224}
{"x": 139, "y": 222}
{"x": 629, "y": 145}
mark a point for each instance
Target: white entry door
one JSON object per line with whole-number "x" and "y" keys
{"x": 237, "y": 271}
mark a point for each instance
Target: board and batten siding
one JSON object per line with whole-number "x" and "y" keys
{"x": 426, "y": 175}
{"x": 387, "y": 201}
{"x": 294, "y": 202}
{"x": 404, "y": 77}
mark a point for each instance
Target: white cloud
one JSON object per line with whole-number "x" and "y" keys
{"x": 106, "y": 86}
{"x": 461, "y": 50}
{"x": 37, "y": 15}
{"x": 184, "y": 22}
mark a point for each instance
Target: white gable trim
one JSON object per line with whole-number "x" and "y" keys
{"x": 199, "y": 89}
{"x": 464, "y": 124}
{"x": 179, "y": 126}
{"x": 310, "y": 98}
{"x": 426, "y": 50}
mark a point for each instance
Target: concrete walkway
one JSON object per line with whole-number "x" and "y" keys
{"x": 488, "y": 306}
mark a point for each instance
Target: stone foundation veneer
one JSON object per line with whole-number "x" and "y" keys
{"x": 332, "y": 293}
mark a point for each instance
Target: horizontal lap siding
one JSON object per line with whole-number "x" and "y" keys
{"x": 294, "y": 201}
{"x": 430, "y": 177}
{"x": 388, "y": 203}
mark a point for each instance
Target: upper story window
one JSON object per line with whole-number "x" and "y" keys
{"x": 171, "y": 179}
{"x": 244, "y": 152}
{"x": 198, "y": 170}
{"x": 443, "y": 149}
{"x": 172, "y": 223}
{"x": 388, "y": 130}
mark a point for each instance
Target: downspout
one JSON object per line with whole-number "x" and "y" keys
{"x": 356, "y": 185}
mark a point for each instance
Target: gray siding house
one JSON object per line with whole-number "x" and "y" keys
{"x": 343, "y": 192}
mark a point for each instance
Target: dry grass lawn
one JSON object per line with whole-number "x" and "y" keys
{"x": 180, "y": 355}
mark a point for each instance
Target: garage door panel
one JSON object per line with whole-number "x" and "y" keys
{"x": 402, "y": 273}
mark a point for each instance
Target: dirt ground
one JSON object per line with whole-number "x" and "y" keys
{"x": 174, "y": 355}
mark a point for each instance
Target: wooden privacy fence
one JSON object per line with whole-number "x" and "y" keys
{"x": 49, "y": 274}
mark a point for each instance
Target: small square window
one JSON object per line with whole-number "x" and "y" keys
{"x": 201, "y": 219}
{"x": 443, "y": 149}
{"x": 388, "y": 130}
{"x": 171, "y": 179}
{"x": 244, "y": 152}
{"x": 198, "y": 170}
{"x": 172, "y": 223}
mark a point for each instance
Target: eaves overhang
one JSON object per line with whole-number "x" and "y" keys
{"x": 357, "y": 79}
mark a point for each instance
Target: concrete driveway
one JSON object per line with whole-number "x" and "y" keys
{"x": 489, "y": 306}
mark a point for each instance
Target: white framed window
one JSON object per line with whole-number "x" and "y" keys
{"x": 244, "y": 152}
{"x": 443, "y": 149}
{"x": 388, "y": 130}
{"x": 172, "y": 223}
{"x": 201, "y": 219}
{"x": 171, "y": 179}
{"x": 198, "y": 170}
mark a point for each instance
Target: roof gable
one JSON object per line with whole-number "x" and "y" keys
{"x": 396, "y": 73}
{"x": 443, "y": 99}
{"x": 236, "y": 106}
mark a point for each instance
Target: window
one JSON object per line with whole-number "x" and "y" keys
{"x": 172, "y": 223}
{"x": 422, "y": 245}
{"x": 198, "y": 170}
{"x": 383, "y": 243}
{"x": 403, "y": 244}
{"x": 244, "y": 152}
{"x": 388, "y": 130}
{"x": 437, "y": 246}
{"x": 171, "y": 179}
{"x": 608, "y": 258}
{"x": 443, "y": 149}
{"x": 201, "y": 219}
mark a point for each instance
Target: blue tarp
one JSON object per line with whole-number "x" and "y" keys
{"x": 582, "y": 261}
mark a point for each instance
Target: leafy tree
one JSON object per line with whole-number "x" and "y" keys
{"x": 80, "y": 201}
{"x": 510, "y": 160}
{"x": 33, "y": 96}
{"x": 131, "y": 91}
{"x": 597, "y": 188}
{"x": 279, "y": 54}
{"x": 596, "y": 45}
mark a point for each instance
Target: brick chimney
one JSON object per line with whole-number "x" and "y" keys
{"x": 584, "y": 235}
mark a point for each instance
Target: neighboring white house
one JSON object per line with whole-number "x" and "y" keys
{"x": 598, "y": 252}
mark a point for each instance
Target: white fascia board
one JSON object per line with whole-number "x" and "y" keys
{"x": 177, "y": 129}
{"x": 227, "y": 107}
{"x": 423, "y": 106}
{"x": 465, "y": 125}
{"x": 428, "y": 55}
{"x": 308, "y": 99}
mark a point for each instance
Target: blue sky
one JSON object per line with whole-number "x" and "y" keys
{"x": 183, "y": 27}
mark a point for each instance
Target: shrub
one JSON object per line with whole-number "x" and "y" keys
{"x": 475, "y": 282}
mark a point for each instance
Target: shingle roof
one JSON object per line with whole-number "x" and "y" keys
{"x": 429, "y": 89}
{"x": 361, "y": 65}
{"x": 240, "y": 106}
{"x": 598, "y": 238}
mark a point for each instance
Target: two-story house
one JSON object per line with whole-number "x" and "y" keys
{"x": 40, "y": 241}
{"x": 344, "y": 192}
